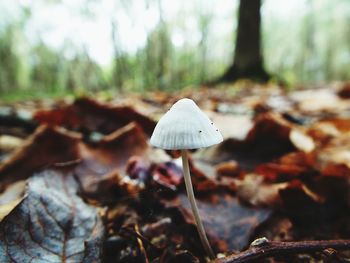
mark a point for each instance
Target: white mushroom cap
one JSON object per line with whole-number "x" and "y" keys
{"x": 185, "y": 126}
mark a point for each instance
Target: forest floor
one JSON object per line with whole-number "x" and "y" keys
{"x": 80, "y": 182}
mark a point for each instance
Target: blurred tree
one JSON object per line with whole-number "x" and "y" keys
{"x": 9, "y": 61}
{"x": 248, "y": 59}
{"x": 158, "y": 58}
{"x": 204, "y": 21}
{"x": 164, "y": 49}
{"x": 46, "y": 64}
{"x": 119, "y": 60}
{"x": 83, "y": 74}
{"x": 176, "y": 49}
{"x": 307, "y": 64}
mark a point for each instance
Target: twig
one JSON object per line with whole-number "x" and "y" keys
{"x": 68, "y": 163}
{"x": 133, "y": 233}
{"x": 262, "y": 248}
{"x": 140, "y": 243}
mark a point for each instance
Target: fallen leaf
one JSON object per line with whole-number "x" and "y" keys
{"x": 9, "y": 143}
{"x": 301, "y": 201}
{"x": 87, "y": 115}
{"x": 270, "y": 124}
{"x": 232, "y": 126}
{"x": 230, "y": 169}
{"x": 277, "y": 228}
{"x": 51, "y": 223}
{"x": 341, "y": 124}
{"x": 268, "y": 139}
{"x": 46, "y": 147}
{"x": 228, "y": 223}
{"x": 109, "y": 157}
{"x": 344, "y": 91}
{"x": 11, "y": 197}
{"x": 254, "y": 191}
{"x": 102, "y": 163}
{"x": 333, "y": 159}
{"x": 301, "y": 141}
{"x": 168, "y": 175}
{"x": 318, "y": 101}
{"x": 288, "y": 167}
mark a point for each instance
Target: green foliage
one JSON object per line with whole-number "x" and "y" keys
{"x": 309, "y": 46}
{"x": 158, "y": 65}
{"x": 45, "y": 67}
{"x": 82, "y": 73}
{"x": 158, "y": 52}
{"x": 10, "y": 63}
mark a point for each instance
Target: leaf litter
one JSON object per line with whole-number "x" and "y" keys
{"x": 86, "y": 186}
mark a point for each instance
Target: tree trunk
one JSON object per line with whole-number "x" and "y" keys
{"x": 118, "y": 60}
{"x": 248, "y": 60}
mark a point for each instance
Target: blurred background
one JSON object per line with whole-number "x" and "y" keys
{"x": 53, "y": 47}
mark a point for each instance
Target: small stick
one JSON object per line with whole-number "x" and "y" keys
{"x": 276, "y": 248}
{"x": 140, "y": 243}
{"x": 194, "y": 207}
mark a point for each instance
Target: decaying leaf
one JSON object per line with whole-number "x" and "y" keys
{"x": 300, "y": 200}
{"x": 168, "y": 174}
{"x": 109, "y": 156}
{"x": 232, "y": 126}
{"x": 344, "y": 91}
{"x": 48, "y": 146}
{"x": 319, "y": 101}
{"x": 289, "y": 166}
{"x": 51, "y": 224}
{"x": 283, "y": 172}
{"x": 254, "y": 191}
{"x": 11, "y": 197}
{"x": 91, "y": 163}
{"x": 302, "y": 141}
{"x": 9, "y": 143}
{"x": 229, "y": 169}
{"x": 334, "y": 158}
{"x": 87, "y": 115}
{"x": 268, "y": 139}
{"x": 228, "y": 223}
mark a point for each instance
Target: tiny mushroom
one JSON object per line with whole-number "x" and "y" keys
{"x": 186, "y": 127}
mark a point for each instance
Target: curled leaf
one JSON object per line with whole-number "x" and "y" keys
{"x": 48, "y": 146}
{"x": 89, "y": 115}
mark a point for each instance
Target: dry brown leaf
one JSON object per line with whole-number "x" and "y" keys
{"x": 87, "y": 115}
{"x": 229, "y": 224}
{"x": 92, "y": 164}
{"x": 9, "y": 143}
{"x": 334, "y": 158}
{"x": 254, "y": 191}
{"x": 288, "y": 167}
{"x": 317, "y": 101}
{"x": 48, "y": 146}
{"x": 109, "y": 159}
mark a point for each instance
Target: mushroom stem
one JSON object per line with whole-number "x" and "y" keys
{"x": 190, "y": 194}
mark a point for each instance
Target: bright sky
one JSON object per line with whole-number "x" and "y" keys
{"x": 58, "y": 23}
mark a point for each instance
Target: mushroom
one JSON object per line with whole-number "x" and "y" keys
{"x": 186, "y": 127}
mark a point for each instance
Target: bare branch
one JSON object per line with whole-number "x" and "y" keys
{"x": 265, "y": 248}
